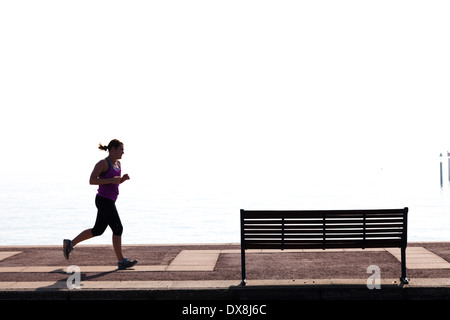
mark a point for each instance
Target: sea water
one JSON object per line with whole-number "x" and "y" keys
{"x": 44, "y": 213}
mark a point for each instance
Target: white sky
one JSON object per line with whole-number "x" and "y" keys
{"x": 219, "y": 91}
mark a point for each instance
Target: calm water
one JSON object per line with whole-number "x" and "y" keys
{"x": 45, "y": 213}
{"x": 279, "y": 115}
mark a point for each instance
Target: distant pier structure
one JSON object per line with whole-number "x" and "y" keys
{"x": 448, "y": 155}
{"x": 440, "y": 167}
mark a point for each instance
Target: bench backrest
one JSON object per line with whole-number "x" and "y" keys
{"x": 324, "y": 229}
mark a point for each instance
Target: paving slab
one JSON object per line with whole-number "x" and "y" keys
{"x": 7, "y": 254}
{"x": 195, "y": 260}
{"x": 220, "y": 284}
{"x": 420, "y": 258}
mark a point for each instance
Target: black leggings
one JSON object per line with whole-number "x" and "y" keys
{"x": 107, "y": 215}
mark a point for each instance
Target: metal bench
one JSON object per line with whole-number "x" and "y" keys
{"x": 324, "y": 229}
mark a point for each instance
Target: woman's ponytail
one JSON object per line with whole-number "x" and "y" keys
{"x": 102, "y": 147}
{"x": 112, "y": 144}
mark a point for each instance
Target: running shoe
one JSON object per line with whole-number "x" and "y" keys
{"x": 125, "y": 263}
{"x": 67, "y": 248}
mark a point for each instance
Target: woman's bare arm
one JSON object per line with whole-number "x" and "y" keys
{"x": 100, "y": 167}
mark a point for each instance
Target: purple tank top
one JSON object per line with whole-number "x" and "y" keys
{"x": 110, "y": 190}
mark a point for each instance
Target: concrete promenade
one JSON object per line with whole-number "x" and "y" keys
{"x": 213, "y": 271}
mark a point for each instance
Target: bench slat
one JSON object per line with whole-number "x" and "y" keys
{"x": 320, "y": 221}
{"x": 316, "y": 213}
{"x": 321, "y": 230}
{"x": 309, "y": 244}
{"x": 328, "y": 236}
{"x": 328, "y": 226}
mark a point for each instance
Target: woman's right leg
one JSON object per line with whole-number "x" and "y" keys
{"x": 68, "y": 245}
{"x": 98, "y": 229}
{"x": 84, "y": 235}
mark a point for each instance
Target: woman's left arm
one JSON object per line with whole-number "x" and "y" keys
{"x": 124, "y": 178}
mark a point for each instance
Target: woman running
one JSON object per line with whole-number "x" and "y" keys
{"x": 107, "y": 175}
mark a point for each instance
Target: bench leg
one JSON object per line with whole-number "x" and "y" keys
{"x": 403, "y": 279}
{"x": 243, "y": 266}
